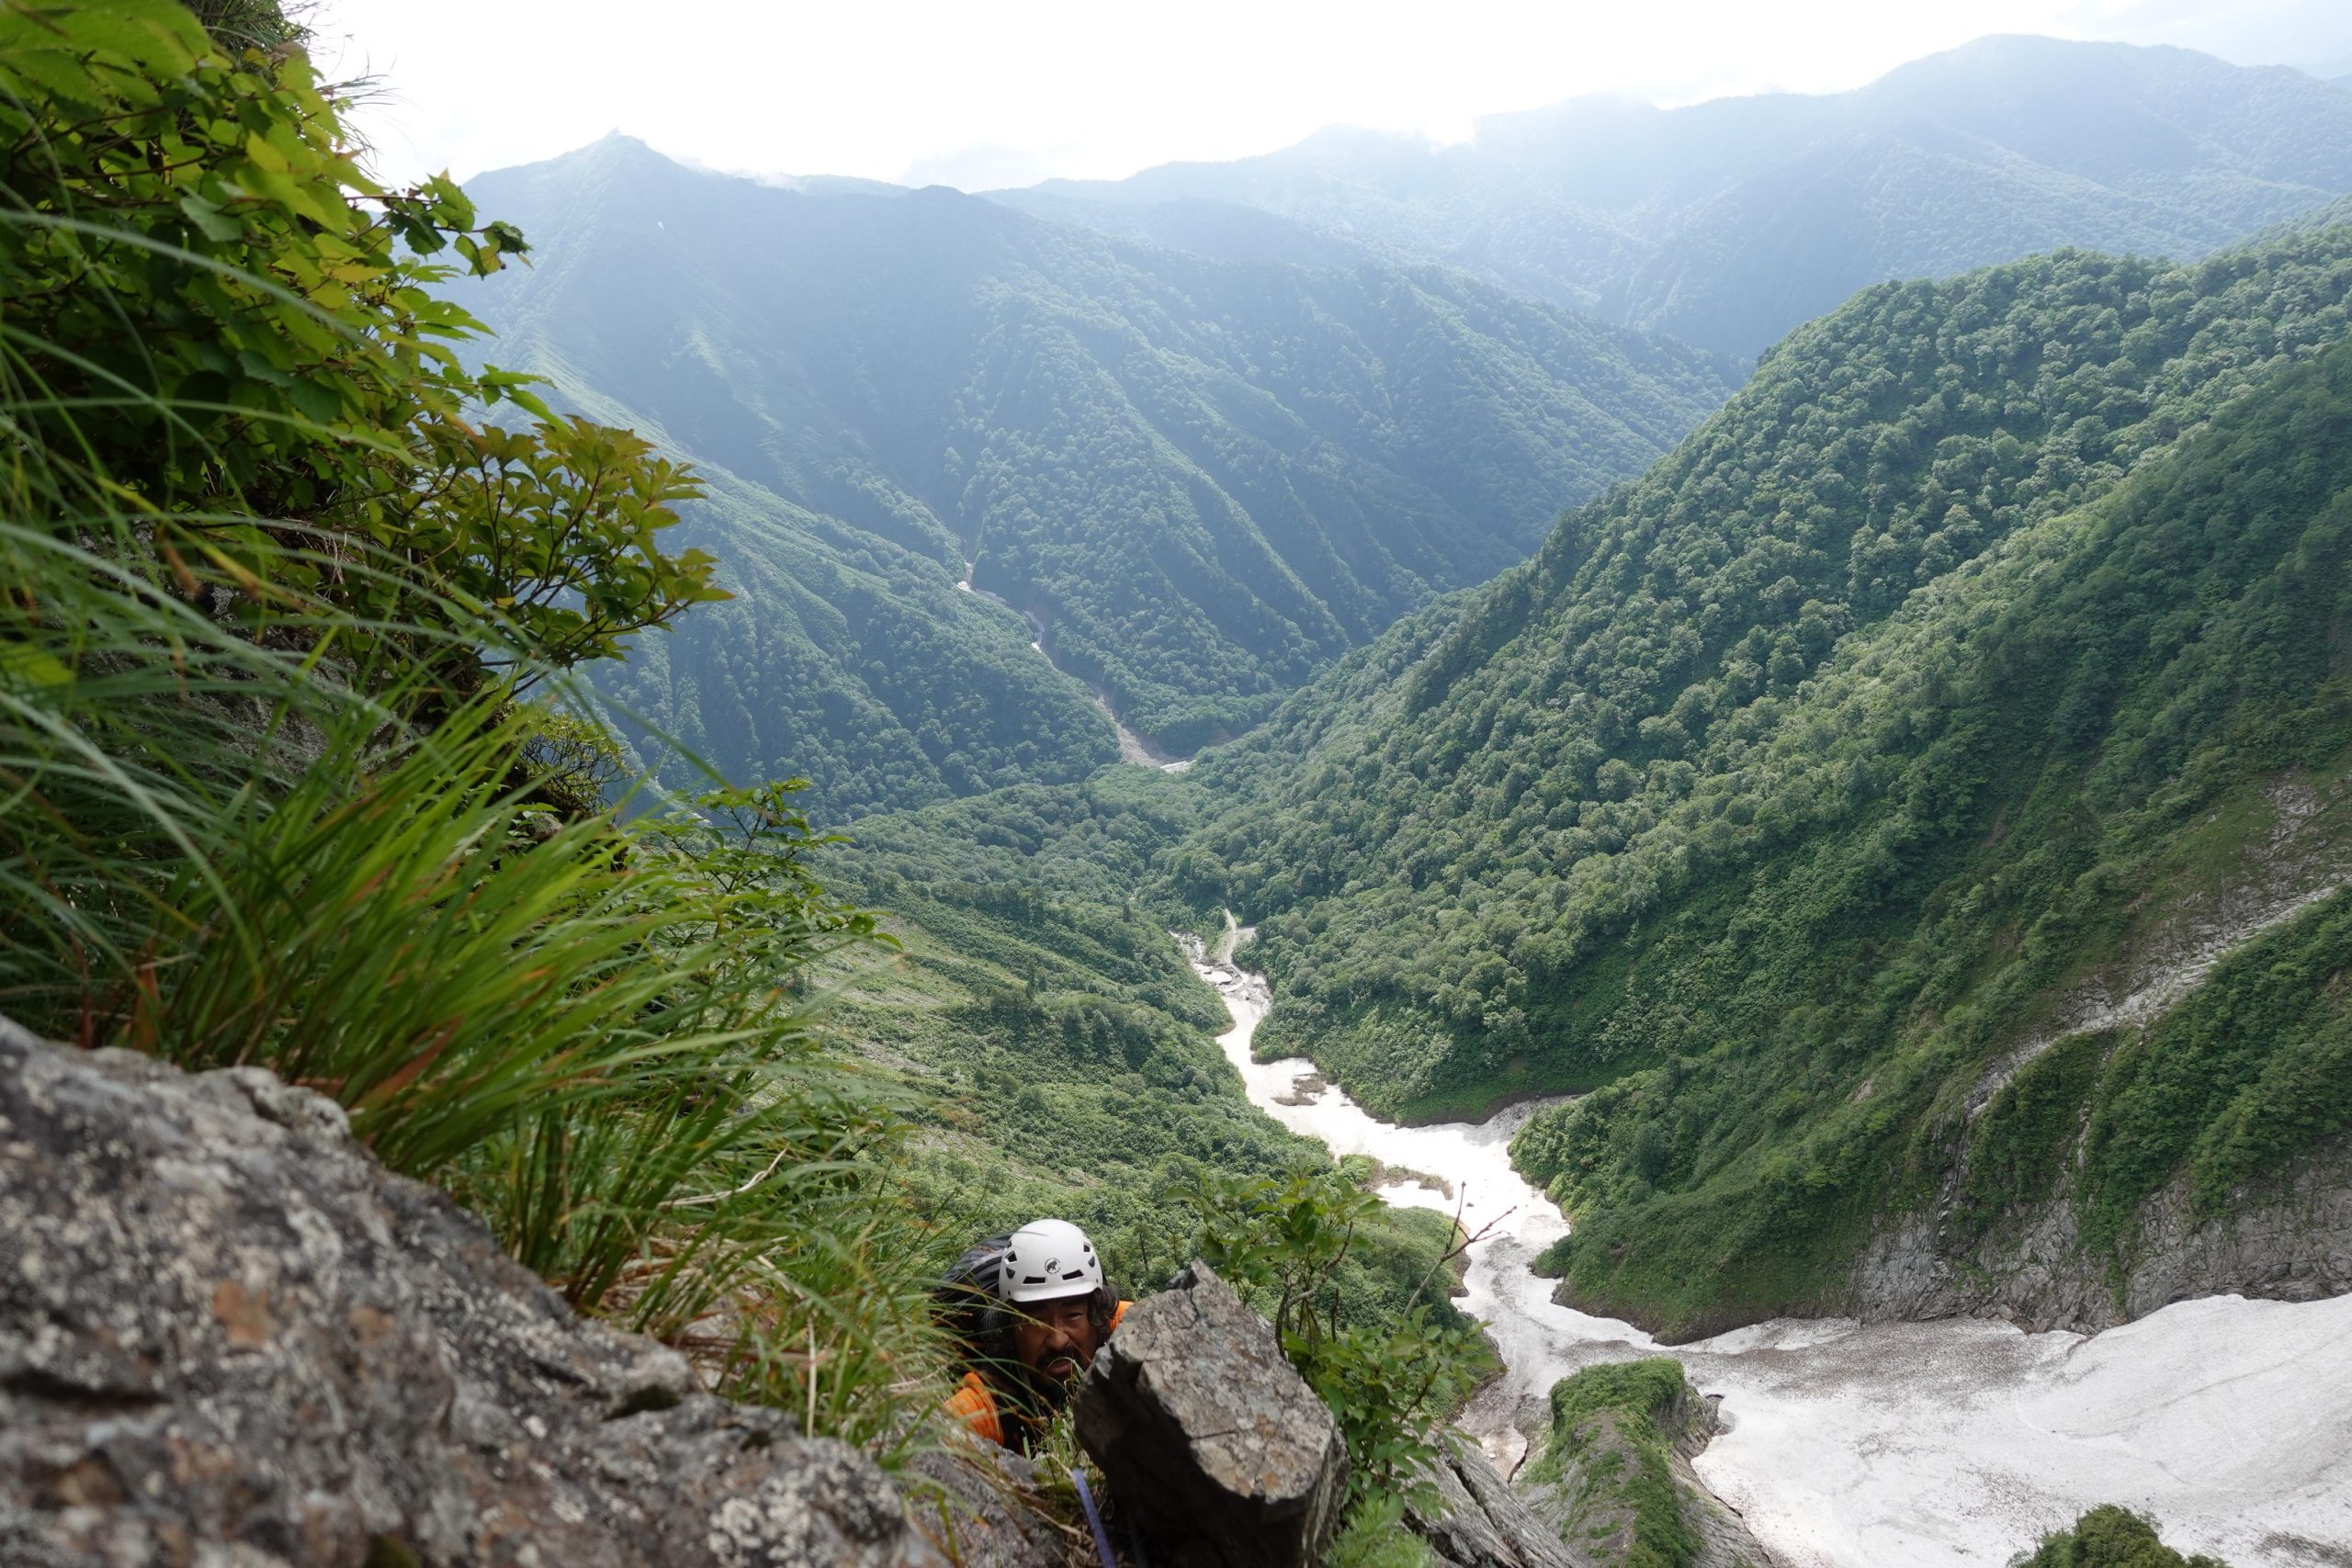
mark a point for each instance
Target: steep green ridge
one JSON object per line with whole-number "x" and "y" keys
{"x": 1785, "y": 789}
{"x": 1441, "y": 824}
{"x": 1609, "y": 1453}
{"x": 1727, "y": 223}
{"x": 1204, "y": 480}
{"x": 2104, "y": 729}
{"x": 851, "y": 661}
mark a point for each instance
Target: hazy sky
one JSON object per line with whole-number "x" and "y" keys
{"x": 982, "y": 95}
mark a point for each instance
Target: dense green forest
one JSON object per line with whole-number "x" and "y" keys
{"x": 852, "y": 662}
{"x": 1823, "y": 755}
{"x": 1727, "y": 223}
{"x": 1204, "y": 480}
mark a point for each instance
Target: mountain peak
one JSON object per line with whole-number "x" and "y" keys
{"x": 614, "y": 150}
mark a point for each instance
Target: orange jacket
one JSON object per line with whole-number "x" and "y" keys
{"x": 974, "y": 1405}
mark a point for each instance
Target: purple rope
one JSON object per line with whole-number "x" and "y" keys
{"x": 1094, "y": 1521}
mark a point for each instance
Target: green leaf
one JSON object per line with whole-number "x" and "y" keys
{"x": 209, "y": 219}
{"x": 24, "y": 665}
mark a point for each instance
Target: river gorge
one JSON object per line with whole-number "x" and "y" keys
{"x": 1886, "y": 1445}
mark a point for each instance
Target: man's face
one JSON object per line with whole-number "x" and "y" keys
{"x": 1055, "y": 1339}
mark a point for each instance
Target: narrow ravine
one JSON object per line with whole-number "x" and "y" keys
{"x": 1133, "y": 748}
{"x": 1893, "y": 1444}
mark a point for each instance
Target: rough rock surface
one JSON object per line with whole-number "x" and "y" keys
{"x": 1480, "y": 1522}
{"x": 1588, "y": 1507}
{"x": 972, "y": 1504}
{"x": 2287, "y": 1240}
{"x": 1209, "y": 1439}
{"x": 229, "y": 1338}
{"x": 1725, "y": 1540}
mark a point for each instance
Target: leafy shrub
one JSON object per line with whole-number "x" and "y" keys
{"x": 224, "y": 334}
{"x": 267, "y": 602}
{"x": 2109, "y": 1537}
{"x": 1374, "y": 1535}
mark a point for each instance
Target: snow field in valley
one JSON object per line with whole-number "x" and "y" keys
{"x": 1894, "y": 1444}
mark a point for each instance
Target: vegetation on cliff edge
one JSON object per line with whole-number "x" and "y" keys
{"x": 2110, "y": 1537}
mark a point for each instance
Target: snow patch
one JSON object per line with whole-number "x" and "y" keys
{"x": 1890, "y": 1444}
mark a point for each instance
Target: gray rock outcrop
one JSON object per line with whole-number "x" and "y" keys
{"x": 1594, "y": 1493}
{"x": 964, "y": 1502}
{"x": 1725, "y": 1540}
{"x": 1210, "y": 1442}
{"x": 229, "y": 1338}
{"x": 1479, "y": 1522}
{"x": 2288, "y": 1238}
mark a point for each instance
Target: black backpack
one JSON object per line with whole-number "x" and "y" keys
{"x": 966, "y": 1302}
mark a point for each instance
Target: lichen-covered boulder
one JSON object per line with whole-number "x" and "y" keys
{"x": 1471, "y": 1519}
{"x": 228, "y": 1337}
{"x": 1209, "y": 1439}
{"x": 979, "y": 1503}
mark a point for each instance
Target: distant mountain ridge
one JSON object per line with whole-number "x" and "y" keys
{"x": 1727, "y": 223}
{"x": 1200, "y": 482}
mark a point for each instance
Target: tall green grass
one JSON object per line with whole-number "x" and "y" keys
{"x": 268, "y": 793}
{"x": 595, "y": 1034}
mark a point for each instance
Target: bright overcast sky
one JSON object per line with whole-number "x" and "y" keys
{"x": 982, "y": 95}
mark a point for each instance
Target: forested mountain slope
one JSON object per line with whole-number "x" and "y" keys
{"x": 851, "y": 661}
{"x": 1996, "y": 629}
{"x": 1203, "y": 480}
{"x": 1727, "y": 223}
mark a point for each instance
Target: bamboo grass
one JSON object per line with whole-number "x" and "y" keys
{"x": 245, "y": 820}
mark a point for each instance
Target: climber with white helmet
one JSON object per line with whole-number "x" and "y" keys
{"x": 1029, "y": 1311}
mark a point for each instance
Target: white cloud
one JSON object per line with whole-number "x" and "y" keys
{"x": 985, "y": 95}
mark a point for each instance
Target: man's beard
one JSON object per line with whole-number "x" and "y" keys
{"x": 1050, "y": 1386}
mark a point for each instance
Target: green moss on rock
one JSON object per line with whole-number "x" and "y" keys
{"x": 1610, "y": 1464}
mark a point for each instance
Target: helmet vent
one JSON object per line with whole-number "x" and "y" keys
{"x": 1048, "y": 1259}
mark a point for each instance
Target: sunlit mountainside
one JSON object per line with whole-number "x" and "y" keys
{"x": 1200, "y": 482}
{"x": 1989, "y": 638}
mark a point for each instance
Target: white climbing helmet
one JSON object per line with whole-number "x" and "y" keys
{"x": 1048, "y": 1259}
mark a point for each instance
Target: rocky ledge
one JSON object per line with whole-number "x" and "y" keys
{"x": 228, "y": 1337}
{"x": 1615, "y": 1482}
{"x": 1207, "y": 1436}
{"x": 2285, "y": 1238}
